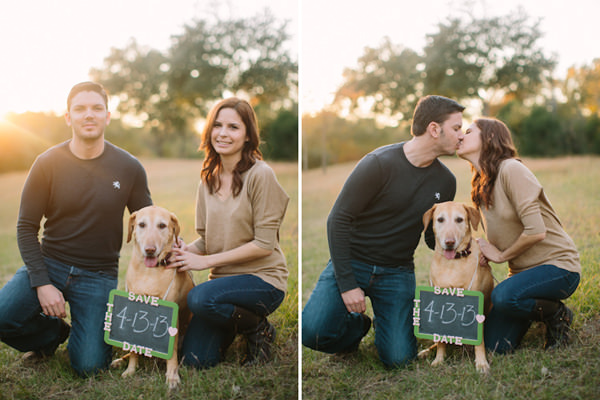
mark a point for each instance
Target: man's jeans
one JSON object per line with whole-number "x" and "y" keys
{"x": 514, "y": 300}
{"x": 212, "y": 304}
{"x": 25, "y": 328}
{"x": 327, "y": 326}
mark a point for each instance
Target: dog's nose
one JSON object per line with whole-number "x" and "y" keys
{"x": 449, "y": 243}
{"x": 150, "y": 250}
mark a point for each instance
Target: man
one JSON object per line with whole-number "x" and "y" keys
{"x": 373, "y": 229}
{"x": 81, "y": 187}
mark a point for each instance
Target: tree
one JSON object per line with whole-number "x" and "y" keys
{"x": 486, "y": 59}
{"x": 329, "y": 139}
{"x": 389, "y": 76}
{"x": 168, "y": 92}
{"x": 582, "y": 87}
{"x": 139, "y": 78}
{"x": 280, "y": 136}
{"x": 245, "y": 55}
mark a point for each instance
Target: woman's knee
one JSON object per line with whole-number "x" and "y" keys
{"x": 191, "y": 359}
{"x": 203, "y": 345}
{"x": 200, "y": 301}
{"x": 499, "y": 346}
{"x": 504, "y": 300}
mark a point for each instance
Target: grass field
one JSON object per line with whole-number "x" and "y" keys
{"x": 573, "y": 186}
{"x": 173, "y": 184}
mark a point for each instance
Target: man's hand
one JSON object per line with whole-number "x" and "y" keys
{"x": 355, "y": 300}
{"x": 52, "y": 301}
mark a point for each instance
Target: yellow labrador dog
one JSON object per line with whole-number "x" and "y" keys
{"x": 154, "y": 231}
{"x": 456, "y": 263}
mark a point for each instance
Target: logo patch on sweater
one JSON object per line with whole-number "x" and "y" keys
{"x": 116, "y": 185}
{"x": 437, "y": 195}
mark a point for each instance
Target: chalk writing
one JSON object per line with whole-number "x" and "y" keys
{"x": 140, "y": 323}
{"x": 448, "y": 315}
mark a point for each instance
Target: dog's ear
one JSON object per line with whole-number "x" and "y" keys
{"x": 175, "y": 227}
{"x": 474, "y": 216}
{"x": 131, "y": 226}
{"x": 427, "y": 217}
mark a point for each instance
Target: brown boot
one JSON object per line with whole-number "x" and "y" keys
{"x": 259, "y": 333}
{"x": 228, "y": 340}
{"x": 558, "y": 318}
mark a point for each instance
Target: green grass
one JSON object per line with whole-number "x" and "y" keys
{"x": 173, "y": 184}
{"x": 572, "y": 185}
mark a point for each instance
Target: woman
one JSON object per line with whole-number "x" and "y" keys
{"x": 239, "y": 209}
{"x": 523, "y": 230}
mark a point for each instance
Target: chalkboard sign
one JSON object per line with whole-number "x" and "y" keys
{"x": 142, "y": 324}
{"x": 448, "y": 315}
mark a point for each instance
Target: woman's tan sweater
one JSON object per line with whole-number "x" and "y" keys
{"x": 521, "y": 206}
{"x": 255, "y": 216}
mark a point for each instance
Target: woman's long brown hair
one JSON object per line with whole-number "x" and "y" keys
{"x": 496, "y": 146}
{"x": 212, "y": 166}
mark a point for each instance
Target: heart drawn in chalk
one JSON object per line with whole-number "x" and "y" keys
{"x": 172, "y": 331}
{"x": 480, "y": 318}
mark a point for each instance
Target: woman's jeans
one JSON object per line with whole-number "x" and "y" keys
{"x": 25, "y": 328}
{"x": 514, "y": 300}
{"x": 327, "y": 326}
{"x": 212, "y": 304}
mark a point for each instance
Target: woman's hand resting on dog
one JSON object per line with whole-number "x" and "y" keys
{"x": 489, "y": 252}
{"x": 184, "y": 257}
{"x": 522, "y": 244}
{"x": 184, "y": 260}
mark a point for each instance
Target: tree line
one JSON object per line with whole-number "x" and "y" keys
{"x": 494, "y": 65}
{"x": 162, "y": 97}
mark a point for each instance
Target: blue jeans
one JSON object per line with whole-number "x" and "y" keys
{"x": 25, "y": 328}
{"x": 212, "y": 303}
{"x": 327, "y": 326}
{"x": 514, "y": 300}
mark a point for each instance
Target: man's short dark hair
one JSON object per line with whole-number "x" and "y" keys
{"x": 87, "y": 87}
{"x": 432, "y": 109}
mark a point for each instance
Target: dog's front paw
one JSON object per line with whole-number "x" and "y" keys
{"x": 173, "y": 381}
{"x": 438, "y": 360}
{"x": 128, "y": 372}
{"x": 482, "y": 367}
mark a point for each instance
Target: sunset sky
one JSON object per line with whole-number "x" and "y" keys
{"x": 335, "y": 33}
{"x": 47, "y": 47}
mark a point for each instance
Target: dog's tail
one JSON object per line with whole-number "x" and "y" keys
{"x": 119, "y": 361}
{"x": 425, "y": 352}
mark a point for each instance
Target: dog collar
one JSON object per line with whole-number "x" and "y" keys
{"x": 165, "y": 261}
{"x": 465, "y": 253}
